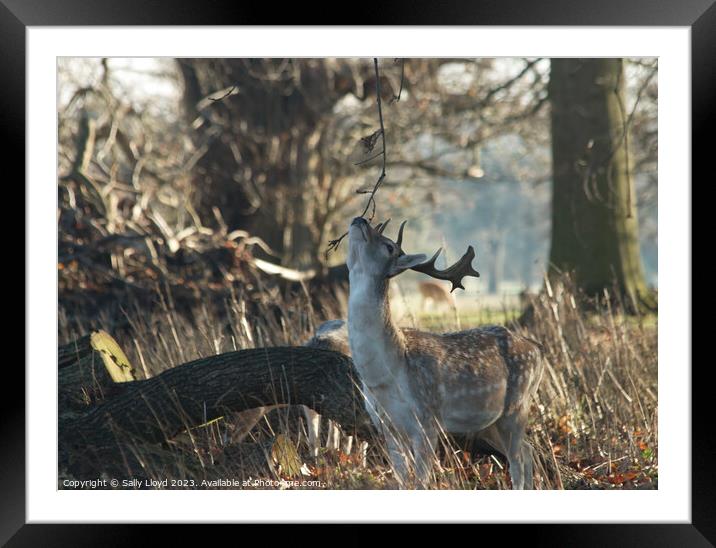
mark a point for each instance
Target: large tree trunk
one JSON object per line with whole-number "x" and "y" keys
{"x": 594, "y": 214}
{"x": 266, "y": 165}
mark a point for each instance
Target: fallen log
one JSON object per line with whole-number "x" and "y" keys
{"x": 105, "y": 437}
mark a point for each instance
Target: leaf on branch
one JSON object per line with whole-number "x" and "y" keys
{"x": 369, "y": 141}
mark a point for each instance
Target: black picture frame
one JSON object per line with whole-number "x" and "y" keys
{"x": 699, "y": 15}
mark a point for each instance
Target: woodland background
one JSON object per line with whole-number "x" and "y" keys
{"x": 197, "y": 199}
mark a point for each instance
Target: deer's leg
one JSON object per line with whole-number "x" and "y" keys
{"x": 347, "y": 444}
{"x": 396, "y": 448}
{"x": 515, "y": 457}
{"x": 506, "y": 436}
{"x": 512, "y": 432}
{"x": 423, "y": 443}
{"x": 398, "y": 457}
{"x": 313, "y": 425}
{"x": 244, "y": 422}
{"x": 527, "y": 463}
{"x": 517, "y": 469}
{"x": 363, "y": 452}
{"x": 334, "y": 437}
{"x": 494, "y": 438}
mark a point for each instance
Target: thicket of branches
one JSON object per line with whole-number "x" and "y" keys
{"x": 267, "y": 158}
{"x": 125, "y": 211}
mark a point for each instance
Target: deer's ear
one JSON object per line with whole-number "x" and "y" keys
{"x": 404, "y": 262}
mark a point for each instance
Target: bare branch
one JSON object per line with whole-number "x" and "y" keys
{"x": 224, "y": 96}
{"x": 369, "y": 142}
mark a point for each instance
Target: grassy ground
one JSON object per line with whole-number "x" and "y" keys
{"x": 593, "y": 424}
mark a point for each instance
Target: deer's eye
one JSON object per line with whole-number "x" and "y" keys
{"x": 390, "y": 248}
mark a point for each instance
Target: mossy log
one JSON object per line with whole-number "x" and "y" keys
{"x": 105, "y": 437}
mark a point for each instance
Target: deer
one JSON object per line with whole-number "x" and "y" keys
{"x": 478, "y": 382}
{"x": 436, "y": 294}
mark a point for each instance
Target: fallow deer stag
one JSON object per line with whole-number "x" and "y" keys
{"x": 476, "y": 382}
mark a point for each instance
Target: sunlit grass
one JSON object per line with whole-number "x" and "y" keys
{"x": 474, "y": 318}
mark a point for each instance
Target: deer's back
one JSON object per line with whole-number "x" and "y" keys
{"x": 490, "y": 369}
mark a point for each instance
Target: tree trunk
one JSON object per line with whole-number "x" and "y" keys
{"x": 266, "y": 166}
{"x": 141, "y": 413}
{"x": 594, "y": 215}
{"x": 496, "y": 266}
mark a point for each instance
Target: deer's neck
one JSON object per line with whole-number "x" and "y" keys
{"x": 377, "y": 345}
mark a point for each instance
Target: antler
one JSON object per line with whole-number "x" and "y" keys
{"x": 399, "y": 241}
{"x": 380, "y": 227}
{"x": 454, "y": 273}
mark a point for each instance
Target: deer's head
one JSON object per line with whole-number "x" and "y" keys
{"x": 372, "y": 254}
{"x": 377, "y": 256}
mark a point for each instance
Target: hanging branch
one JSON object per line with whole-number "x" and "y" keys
{"x": 371, "y": 198}
{"x": 369, "y": 143}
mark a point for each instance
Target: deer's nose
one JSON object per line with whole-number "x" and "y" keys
{"x": 359, "y": 221}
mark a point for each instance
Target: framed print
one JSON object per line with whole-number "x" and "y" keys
{"x": 225, "y": 326}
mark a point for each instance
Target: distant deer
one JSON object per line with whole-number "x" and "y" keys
{"x": 435, "y": 294}
{"x": 416, "y": 384}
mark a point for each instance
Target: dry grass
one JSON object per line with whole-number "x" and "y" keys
{"x": 593, "y": 424}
